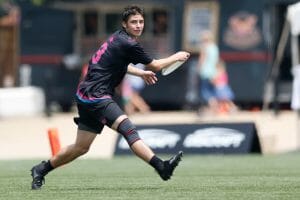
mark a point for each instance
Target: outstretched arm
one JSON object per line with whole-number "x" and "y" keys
{"x": 148, "y": 76}
{"x": 157, "y": 65}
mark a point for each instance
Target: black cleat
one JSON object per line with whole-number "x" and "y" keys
{"x": 37, "y": 177}
{"x": 169, "y": 166}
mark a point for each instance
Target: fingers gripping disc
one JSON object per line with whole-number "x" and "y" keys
{"x": 171, "y": 68}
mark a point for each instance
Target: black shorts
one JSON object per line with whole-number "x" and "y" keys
{"x": 93, "y": 116}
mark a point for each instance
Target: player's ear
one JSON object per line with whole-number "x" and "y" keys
{"x": 124, "y": 25}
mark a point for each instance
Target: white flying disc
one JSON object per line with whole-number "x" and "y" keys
{"x": 171, "y": 68}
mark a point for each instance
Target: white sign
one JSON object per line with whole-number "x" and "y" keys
{"x": 155, "y": 138}
{"x": 214, "y": 137}
{"x": 294, "y": 16}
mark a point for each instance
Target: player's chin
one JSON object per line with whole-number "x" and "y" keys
{"x": 137, "y": 33}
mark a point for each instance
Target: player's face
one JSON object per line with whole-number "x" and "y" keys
{"x": 135, "y": 25}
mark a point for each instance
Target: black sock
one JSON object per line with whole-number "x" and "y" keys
{"x": 48, "y": 166}
{"x": 45, "y": 167}
{"x": 157, "y": 163}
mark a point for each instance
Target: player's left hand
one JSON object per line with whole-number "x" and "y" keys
{"x": 149, "y": 77}
{"x": 182, "y": 55}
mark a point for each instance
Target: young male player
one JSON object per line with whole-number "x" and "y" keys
{"x": 107, "y": 68}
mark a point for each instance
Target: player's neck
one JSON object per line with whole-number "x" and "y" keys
{"x": 130, "y": 35}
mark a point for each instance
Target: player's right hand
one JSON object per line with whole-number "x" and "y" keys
{"x": 149, "y": 77}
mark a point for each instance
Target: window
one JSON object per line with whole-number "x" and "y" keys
{"x": 112, "y": 22}
{"x": 90, "y": 19}
{"x": 160, "y": 22}
{"x": 98, "y": 22}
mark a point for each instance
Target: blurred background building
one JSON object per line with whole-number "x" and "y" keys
{"x": 51, "y": 41}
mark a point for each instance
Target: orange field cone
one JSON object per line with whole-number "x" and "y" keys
{"x": 54, "y": 140}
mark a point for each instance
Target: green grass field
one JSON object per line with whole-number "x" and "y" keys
{"x": 198, "y": 177}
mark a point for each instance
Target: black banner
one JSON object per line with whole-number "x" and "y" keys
{"x": 227, "y": 138}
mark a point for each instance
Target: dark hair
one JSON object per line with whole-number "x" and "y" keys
{"x": 132, "y": 10}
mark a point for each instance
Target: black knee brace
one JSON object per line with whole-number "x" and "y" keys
{"x": 111, "y": 112}
{"x": 128, "y": 130}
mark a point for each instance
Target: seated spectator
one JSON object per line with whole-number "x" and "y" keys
{"x": 223, "y": 91}
{"x": 131, "y": 88}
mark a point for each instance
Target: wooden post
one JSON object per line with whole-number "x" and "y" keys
{"x": 9, "y": 47}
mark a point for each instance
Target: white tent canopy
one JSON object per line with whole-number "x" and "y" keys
{"x": 293, "y": 16}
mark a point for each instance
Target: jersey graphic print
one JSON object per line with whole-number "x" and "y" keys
{"x": 100, "y": 52}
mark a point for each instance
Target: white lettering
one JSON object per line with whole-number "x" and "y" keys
{"x": 214, "y": 137}
{"x": 155, "y": 138}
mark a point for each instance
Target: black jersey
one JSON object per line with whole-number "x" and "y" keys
{"x": 108, "y": 66}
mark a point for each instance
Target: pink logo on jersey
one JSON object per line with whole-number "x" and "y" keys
{"x": 100, "y": 52}
{"x": 111, "y": 39}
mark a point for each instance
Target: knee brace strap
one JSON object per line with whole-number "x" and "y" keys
{"x": 128, "y": 130}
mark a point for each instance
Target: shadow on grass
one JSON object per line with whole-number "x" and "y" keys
{"x": 105, "y": 188}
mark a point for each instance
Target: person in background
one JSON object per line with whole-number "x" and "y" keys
{"x": 223, "y": 91}
{"x": 207, "y": 70}
{"x": 132, "y": 100}
{"x": 96, "y": 107}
